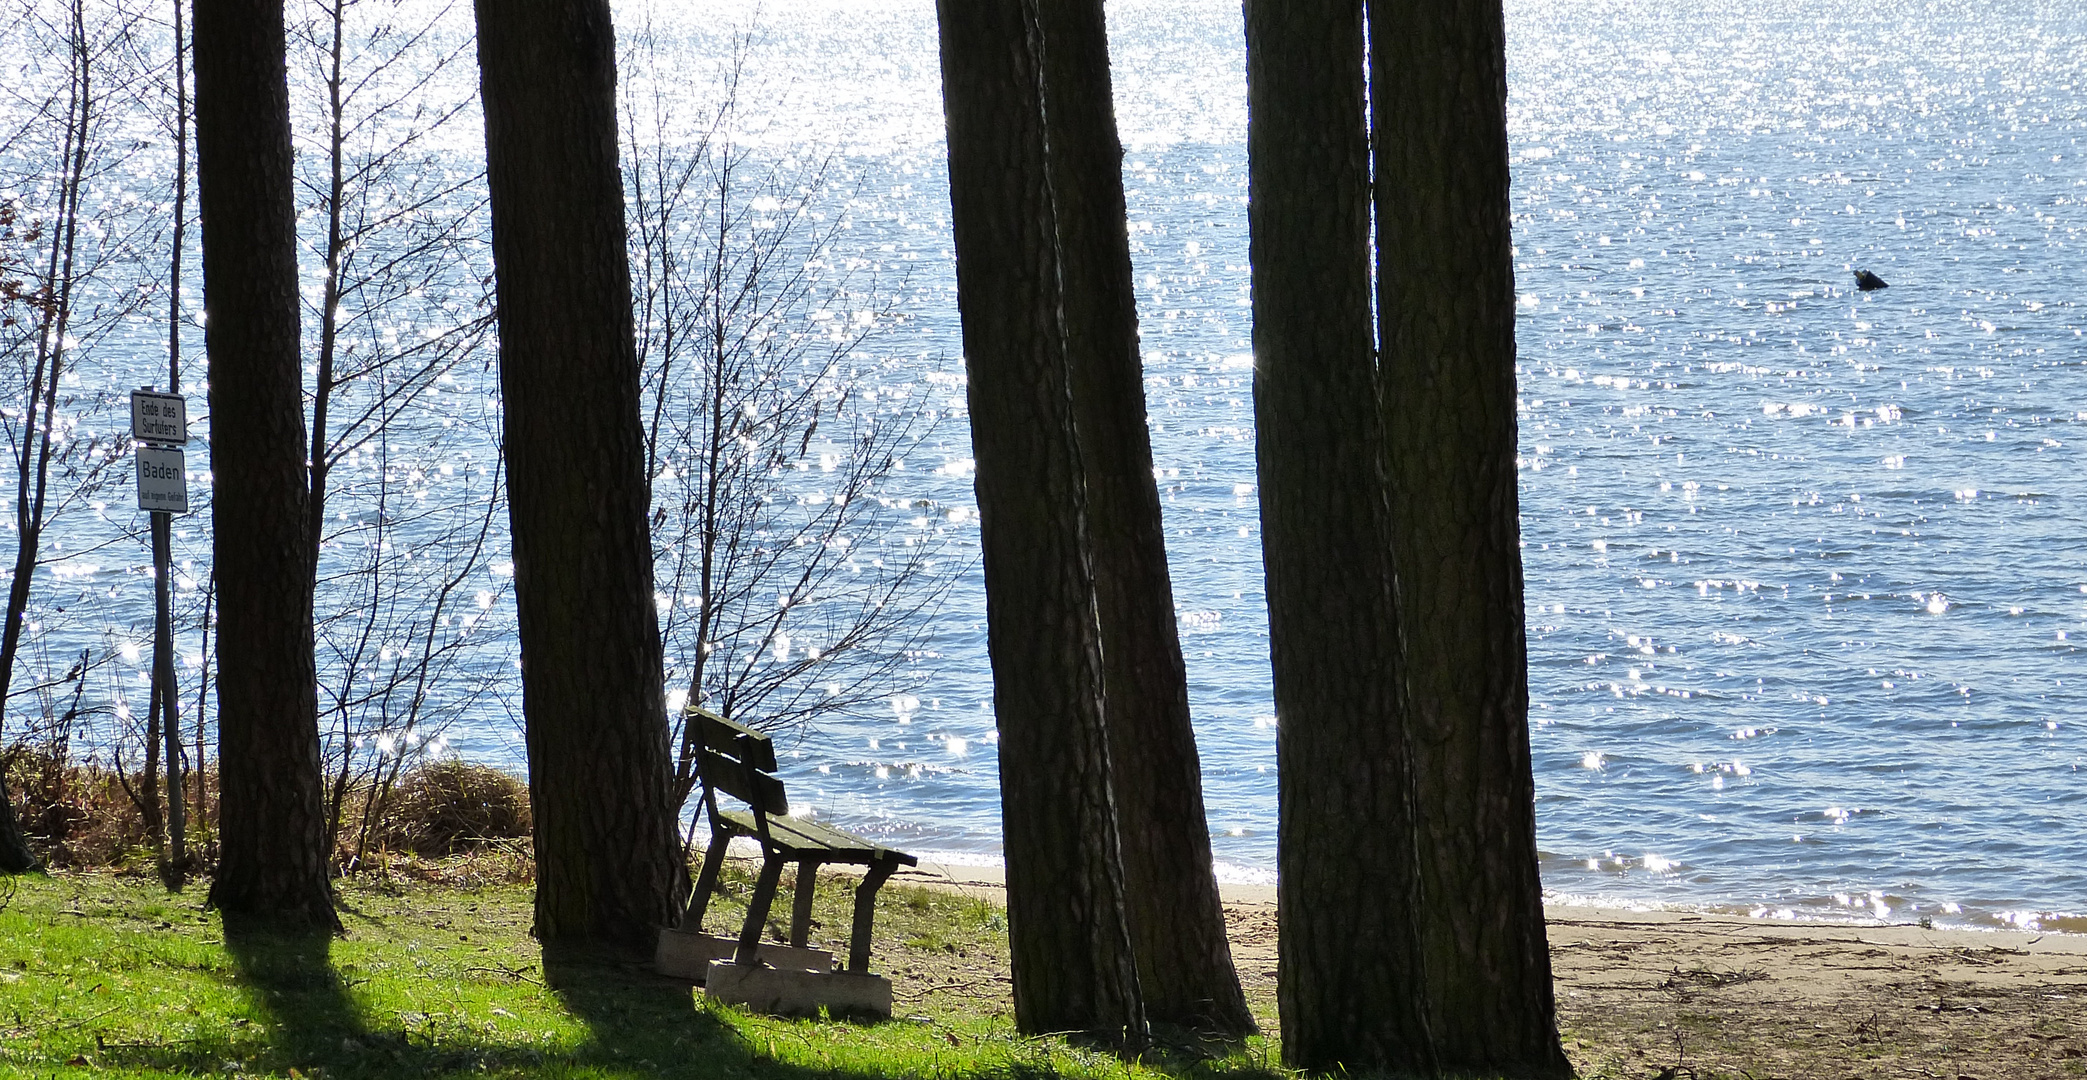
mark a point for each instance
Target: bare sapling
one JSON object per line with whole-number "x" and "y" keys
{"x": 792, "y": 585}
{"x": 406, "y": 503}
{"x": 68, "y": 281}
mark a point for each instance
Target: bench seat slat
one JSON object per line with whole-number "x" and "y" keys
{"x": 800, "y": 837}
{"x": 835, "y": 838}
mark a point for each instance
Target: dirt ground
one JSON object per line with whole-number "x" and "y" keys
{"x": 1663, "y": 996}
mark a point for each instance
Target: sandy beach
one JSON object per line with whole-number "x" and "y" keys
{"x": 1673, "y": 994}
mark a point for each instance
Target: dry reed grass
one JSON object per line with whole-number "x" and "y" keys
{"x": 76, "y": 815}
{"x": 445, "y": 821}
{"x": 451, "y": 807}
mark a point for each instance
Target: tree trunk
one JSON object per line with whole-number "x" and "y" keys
{"x": 608, "y": 867}
{"x": 1350, "y": 986}
{"x": 1446, "y": 310}
{"x": 1073, "y": 965}
{"x": 274, "y": 847}
{"x": 1177, "y": 922}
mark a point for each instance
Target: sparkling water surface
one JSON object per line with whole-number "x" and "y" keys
{"x": 1804, "y": 565}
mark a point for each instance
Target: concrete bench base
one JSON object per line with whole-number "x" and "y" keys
{"x": 784, "y": 992}
{"x": 687, "y": 955}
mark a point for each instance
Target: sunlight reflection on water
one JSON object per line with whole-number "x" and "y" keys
{"x": 1759, "y": 507}
{"x": 1733, "y": 461}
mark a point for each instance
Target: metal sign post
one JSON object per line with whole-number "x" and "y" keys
{"x": 159, "y": 427}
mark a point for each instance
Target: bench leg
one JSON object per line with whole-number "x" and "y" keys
{"x": 865, "y": 914}
{"x": 749, "y": 954}
{"x": 801, "y": 911}
{"x": 706, "y": 883}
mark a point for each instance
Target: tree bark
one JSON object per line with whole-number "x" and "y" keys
{"x": 1070, "y": 947}
{"x": 1446, "y": 329}
{"x": 274, "y": 848}
{"x": 1177, "y": 922}
{"x": 608, "y": 868}
{"x": 1349, "y": 987}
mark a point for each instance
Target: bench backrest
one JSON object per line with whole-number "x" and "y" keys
{"x": 738, "y": 761}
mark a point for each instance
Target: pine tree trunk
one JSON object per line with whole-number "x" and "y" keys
{"x": 608, "y": 868}
{"x": 1446, "y": 309}
{"x": 1177, "y": 921}
{"x": 1071, "y": 952}
{"x": 1349, "y": 987}
{"x": 274, "y": 848}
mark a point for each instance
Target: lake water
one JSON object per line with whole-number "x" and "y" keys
{"x": 1805, "y": 565}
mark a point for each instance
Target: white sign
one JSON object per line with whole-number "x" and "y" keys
{"x": 159, "y": 419}
{"x": 162, "y": 480}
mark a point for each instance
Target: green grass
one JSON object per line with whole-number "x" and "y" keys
{"x": 113, "y": 976}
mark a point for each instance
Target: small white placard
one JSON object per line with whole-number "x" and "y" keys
{"x": 162, "y": 480}
{"x": 161, "y": 419}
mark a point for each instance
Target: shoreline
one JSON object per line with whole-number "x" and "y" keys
{"x": 1682, "y": 993}
{"x": 989, "y": 881}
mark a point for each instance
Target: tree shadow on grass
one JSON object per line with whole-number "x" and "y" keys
{"x": 651, "y": 1025}
{"x": 297, "y": 1009}
{"x": 637, "y": 1024}
{"x": 301, "y": 1011}
{"x": 304, "y": 1012}
{"x": 640, "y": 1021}
{"x": 289, "y": 978}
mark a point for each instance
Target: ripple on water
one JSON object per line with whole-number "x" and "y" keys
{"x": 1802, "y": 563}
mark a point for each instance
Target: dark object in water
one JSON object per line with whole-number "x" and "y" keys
{"x": 1868, "y": 282}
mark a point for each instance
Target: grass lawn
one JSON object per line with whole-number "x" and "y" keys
{"x": 108, "y": 975}
{"x": 113, "y": 976}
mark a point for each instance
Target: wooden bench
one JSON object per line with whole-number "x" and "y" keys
{"x": 738, "y": 761}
